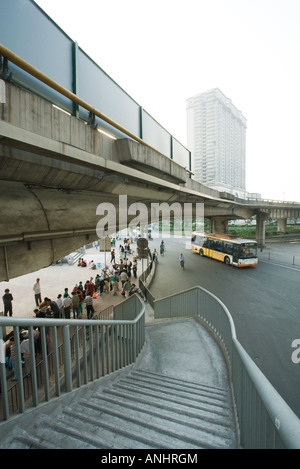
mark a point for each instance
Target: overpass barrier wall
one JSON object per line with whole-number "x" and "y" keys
{"x": 264, "y": 418}
{"x": 81, "y": 351}
{"x": 53, "y": 53}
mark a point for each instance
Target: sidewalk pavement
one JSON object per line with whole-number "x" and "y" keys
{"x": 55, "y": 278}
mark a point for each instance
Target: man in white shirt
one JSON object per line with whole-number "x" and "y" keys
{"x": 37, "y": 292}
{"x": 66, "y": 303}
{"x": 123, "y": 277}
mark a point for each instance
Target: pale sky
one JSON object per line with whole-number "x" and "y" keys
{"x": 162, "y": 52}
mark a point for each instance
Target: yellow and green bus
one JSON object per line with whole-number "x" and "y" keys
{"x": 231, "y": 250}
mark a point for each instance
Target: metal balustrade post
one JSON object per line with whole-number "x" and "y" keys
{"x": 33, "y": 372}
{"x": 45, "y": 362}
{"x": 134, "y": 339}
{"x": 3, "y": 381}
{"x": 77, "y": 357}
{"x": 67, "y": 358}
{"x": 56, "y": 361}
{"x": 91, "y": 353}
{"x": 19, "y": 371}
{"x": 84, "y": 355}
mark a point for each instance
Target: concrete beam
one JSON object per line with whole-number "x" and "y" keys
{"x": 141, "y": 157}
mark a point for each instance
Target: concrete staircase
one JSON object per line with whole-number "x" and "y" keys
{"x": 138, "y": 409}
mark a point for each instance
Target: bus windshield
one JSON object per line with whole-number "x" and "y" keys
{"x": 248, "y": 250}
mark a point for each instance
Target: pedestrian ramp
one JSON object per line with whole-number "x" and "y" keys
{"x": 142, "y": 406}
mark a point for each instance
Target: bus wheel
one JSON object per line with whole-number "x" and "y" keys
{"x": 227, "y": 260}
{"x": 201, "y": 252}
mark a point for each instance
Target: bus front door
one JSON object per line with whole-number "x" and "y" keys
{"x": 235, "y": 253}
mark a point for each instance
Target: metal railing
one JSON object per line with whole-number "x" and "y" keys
{"x": 264, "y": 418}
{"x": 82, "y": 351}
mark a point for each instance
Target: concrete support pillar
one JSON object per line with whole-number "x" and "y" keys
{"x": 281, "y": 225}
{"x": 261, "y": 228}
{"x": 218, "y": 225}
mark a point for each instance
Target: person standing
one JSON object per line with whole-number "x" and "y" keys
{"x": 113, "y": 256}
{"x": 66, "y": 302}
{"x": 89, "y": 287}
{"x": 25, "y": 350}
{"x": 123, "y": 277}
{"x": 7, "y": 302}
{"x": 134, "y": 269}
{"x": 75, "y": 304}
{"x": 89, "y": 305}
{"x": 80, "y": 296}
{"x": 37, "y": 292}
{"x": 12, "y": 358}
{"x": 59, "y": 304}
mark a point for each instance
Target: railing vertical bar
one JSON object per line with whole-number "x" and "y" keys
{"x": 3, "y": 382}
{"x": 117, "y": 338}
{"x": 91, "y": 352}
{"x": 56, "y": 361}
{"x": 126, "y": 344}
{"x": 103, "y": 349}
{"x": 121, "y": 349}
{"x": 77, "y": 357}
{"x": 45, "y": 362}
{"x": 107, "y": 334}
{"x": 84, "y": 355}
{"x": 97, "y": 352}
{"x": 67, "y": 358}
{"x": 33, "y": 373}
{"x": 134, "y": 340}
{"x": 19, "y": 371}
{"x": 112, "y": 348}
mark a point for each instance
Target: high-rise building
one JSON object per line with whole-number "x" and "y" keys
{"x": 216, "y": 137}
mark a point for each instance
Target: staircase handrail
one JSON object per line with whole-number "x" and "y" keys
{"x": 265, "y": 420}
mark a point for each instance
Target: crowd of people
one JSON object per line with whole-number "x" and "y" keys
{"x": 119, "y": 278}
{"x": 78, "y": 302}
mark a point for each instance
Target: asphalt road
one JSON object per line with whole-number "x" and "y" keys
{"x": 263, "y": 301}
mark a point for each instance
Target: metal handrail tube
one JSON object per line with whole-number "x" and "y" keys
{"x": 284, "y": 420}
{"x": 264, "y": 418}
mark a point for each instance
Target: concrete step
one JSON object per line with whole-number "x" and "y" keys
{"x": 138, "y": 409}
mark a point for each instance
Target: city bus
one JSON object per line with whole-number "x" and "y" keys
{"x": 231, "y": 250}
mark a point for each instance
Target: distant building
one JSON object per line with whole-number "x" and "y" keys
{"x": 216, "y": 137}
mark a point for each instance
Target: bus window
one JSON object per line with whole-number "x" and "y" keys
{"x": 248, "y": 251}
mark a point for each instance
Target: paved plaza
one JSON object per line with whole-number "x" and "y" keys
{"x": 55, "y": 278}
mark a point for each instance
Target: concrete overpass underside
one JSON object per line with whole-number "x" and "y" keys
{"x": 56, "y": 169}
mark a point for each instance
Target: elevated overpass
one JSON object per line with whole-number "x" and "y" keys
{"x": 56, "y": 170}
{"x": 60, "y": 156}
